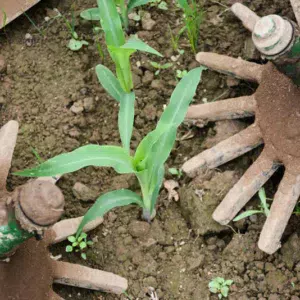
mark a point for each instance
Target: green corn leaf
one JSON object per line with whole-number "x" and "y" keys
{"x": 121, "y": 58}
{"x": 89, "y": 155}
{"x": 246, "y": 214}
{"x": 135, "y": 3}
{"x": 91, "y": 14}
{"x": 158, "y": 179}
{"x": 109, "y": 82}
{"x": 263, "y": 201}
{"x": 111, "y": 23}
{"x": 183, "y": 4}
{"x": 181, "y": 98}
{"x": 126, "y": 119}
{"x": 107, "y": 202}
{"x": 145, "y": 146}
{"x": 135, "y": 43}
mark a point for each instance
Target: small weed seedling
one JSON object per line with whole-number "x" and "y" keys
{"x": 148, "y": 161}
{"x": 175, "y": 172}
{"x": 79, "y": 244}
{"x": 220, "y": 286}
{"x": 264, "y": 207}
{"x": 124, "y": 7}
{"x": 160, "y": 67}
{"x": 180, "y": 74}
{"x": 75, "y": 43}
{"x": 193, "y": 17}
{"x": 119, "y": 49}
{"x": 159, "y": 4}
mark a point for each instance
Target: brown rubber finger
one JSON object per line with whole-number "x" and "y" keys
{"x": 8, "y": 139}
{"x": 296, "y": 9}
{"x": 84, "y": 277}
{"x": 54, "y": 296}
{"x": 246, "y": 15}
{"x": 254, "y": 178}
{"x": 232, "y": 66}
{"x": 234, "y": 108}
{"x": 225, "y": 151}
{"x": 61, "y": 230}
{"x": 281, "y": 210}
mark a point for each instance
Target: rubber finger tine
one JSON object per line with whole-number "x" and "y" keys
{"x": 8, "y": 139}
{"x": 84, "y": 277}
{"x": 234, "y": 108}
{"x": 254, "y": 178}
{"x": 281, "y": 210}
{"x": 232, "y": 66}
{"x": 61, "y": 230}
{"x": 225, "y": 151}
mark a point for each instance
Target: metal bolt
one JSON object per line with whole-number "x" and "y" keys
{"x": 265, "y": 27}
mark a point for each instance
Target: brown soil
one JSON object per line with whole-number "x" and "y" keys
{"x": 28, "y": 275}
{"x": 176, "y": 254}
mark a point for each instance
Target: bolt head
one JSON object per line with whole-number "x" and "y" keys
{"x": 264, "y": 27}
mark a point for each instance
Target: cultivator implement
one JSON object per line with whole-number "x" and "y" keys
{"x": 33, "y": 209}
{"x": 11, "y": 9}
{"x": 276, "y": 107}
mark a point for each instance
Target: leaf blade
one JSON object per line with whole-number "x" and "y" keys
{"x": 126, "y": 119}
{"x": 89, "y": 155}
{"x": 107, "y": 202}
{"x": 135, "y": 3}
{"x": 135, "y": 43}
{"x": 109, "y": 82}
{"x": 90, "y": 14}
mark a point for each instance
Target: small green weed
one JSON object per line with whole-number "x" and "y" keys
{"x": 180, "y": 74}
{"x": 175, "y": 172}
{"x": 75, "y": 43}
{"x": 160, "y": 67}
{"x": 175, "y": 39}
{"x": 193, "y": 17}
{"x": 264, "y": 207}
{"x": 79, "y": 244}
{"x": 159, "y": 4}
{"x": 220, "y": 286}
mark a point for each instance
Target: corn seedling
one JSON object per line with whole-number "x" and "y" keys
{"x": 175, "y": 39}
{"x": 160, "y": 67}
{"x": 264, "y": 207}
{"x": 119, "y": 49}
{"x": 180, "y": 74}
{"x": 148, "y": 161}
{"x": 175, "y": 172}
{"x": 79, "y": 244}
{"x": 125, "y": 7}
{"x": 193, "y": 17}
{"x": 220, "y": 286}
{"x": 159, "y": 4}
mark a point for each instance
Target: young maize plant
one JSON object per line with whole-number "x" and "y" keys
{"x": 119, "y": 49}
{"x": 125, "y": 8}
{"x": 193, "y": 17}
{"x": 148, "y": 161}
